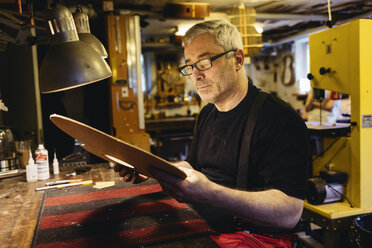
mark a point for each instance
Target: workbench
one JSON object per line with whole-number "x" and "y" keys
{"x": 336, "y": 221}
{"x": 20, "y": 206}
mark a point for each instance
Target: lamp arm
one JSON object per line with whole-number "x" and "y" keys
{"x": 11, "y": 14}
{"x": 5, "y": 37}
{"x": 25, "y": 35}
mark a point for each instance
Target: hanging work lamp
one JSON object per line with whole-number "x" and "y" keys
{"x": 83, "y": 29}
{"x": 69, "y": 62}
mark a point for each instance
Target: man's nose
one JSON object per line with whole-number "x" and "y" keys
{"x": 197, "y": 75}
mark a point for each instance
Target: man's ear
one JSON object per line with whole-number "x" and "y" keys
{"x": 239, "y": 59}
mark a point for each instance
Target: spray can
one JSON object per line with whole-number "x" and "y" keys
{"x": 41, "y": 159}
{"x": 31, "y": 170}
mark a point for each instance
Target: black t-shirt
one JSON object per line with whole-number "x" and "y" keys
{"x": 279, "y": 154}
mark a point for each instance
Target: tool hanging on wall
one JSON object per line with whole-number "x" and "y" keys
{"x": 288, "y": 78}
{"x": 276, "y": 72}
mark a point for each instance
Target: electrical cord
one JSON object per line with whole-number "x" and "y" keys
{"x": 329, "y": 147}
{"x": 342, "y": 195}
{"x": 334, "y": 142}
{"x": 329, "y": 22}
{"x": 329, "y": 11}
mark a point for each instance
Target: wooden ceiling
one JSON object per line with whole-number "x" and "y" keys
{"x": 279, "y": 18}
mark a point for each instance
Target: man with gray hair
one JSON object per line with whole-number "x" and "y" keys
{"x": 248, "y": 162}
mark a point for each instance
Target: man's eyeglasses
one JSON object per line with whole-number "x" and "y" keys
{"x": 201, "y": 65}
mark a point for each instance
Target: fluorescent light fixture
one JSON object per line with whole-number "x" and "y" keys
{"x": 183, "y": 27}
{"x": 259, "y": 27}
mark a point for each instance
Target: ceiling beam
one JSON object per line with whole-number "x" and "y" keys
{"x": 269, "y": 16}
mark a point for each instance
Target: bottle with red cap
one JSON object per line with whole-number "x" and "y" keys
{"x": 42, "y": 162}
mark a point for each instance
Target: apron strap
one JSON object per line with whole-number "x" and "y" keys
{"x": 242, "y": 180}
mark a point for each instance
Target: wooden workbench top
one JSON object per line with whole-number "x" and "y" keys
{"x": 20, "y": 204}
{"x": 20, "y": 207}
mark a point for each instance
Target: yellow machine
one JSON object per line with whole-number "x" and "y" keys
{"x": 341, "y": 61}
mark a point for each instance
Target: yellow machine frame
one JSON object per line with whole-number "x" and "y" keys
{"x": 345, "y": 53}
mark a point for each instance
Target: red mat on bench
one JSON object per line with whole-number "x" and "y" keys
{"x": 122, "y": 216}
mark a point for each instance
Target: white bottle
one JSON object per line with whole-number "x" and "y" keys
{"x": 42, "y": 162}
{"x": 55, "y": 165}
{"x": 31, "y": 170}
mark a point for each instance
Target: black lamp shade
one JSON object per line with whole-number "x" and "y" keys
{"x": 92, "y": 41}
{"x": 70, "y": 65}
{"x": 83, "y": 29}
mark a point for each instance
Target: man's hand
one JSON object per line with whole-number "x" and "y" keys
{"x": 193, "y": 189}
{"x": 130, "y": 175}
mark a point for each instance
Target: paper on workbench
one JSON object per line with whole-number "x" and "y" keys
{"x": 102, "y": 185}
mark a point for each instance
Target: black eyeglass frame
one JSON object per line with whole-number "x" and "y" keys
{"x": 211, "y": 59}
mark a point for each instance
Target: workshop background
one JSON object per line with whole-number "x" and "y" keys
{"x": 292, "y": 46}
